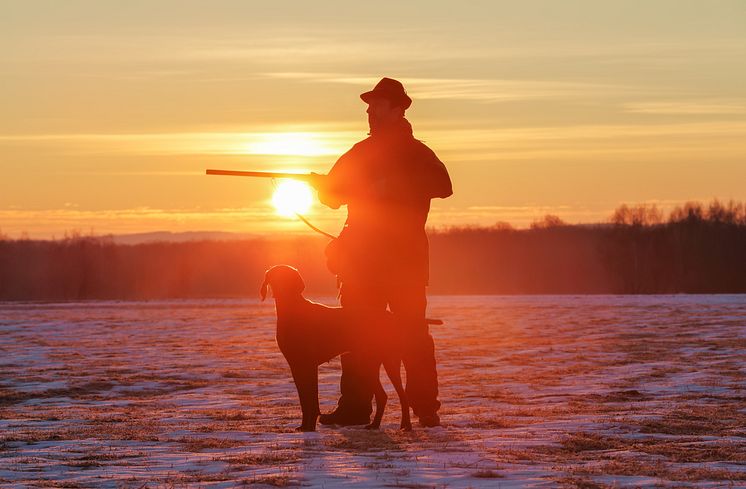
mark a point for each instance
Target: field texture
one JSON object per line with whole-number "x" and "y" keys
{"x": 591, "y": 391}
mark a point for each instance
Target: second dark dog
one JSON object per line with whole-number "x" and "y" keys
{"x": 310, "y": 334}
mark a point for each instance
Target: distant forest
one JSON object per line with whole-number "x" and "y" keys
{"x": 696, "y": 248}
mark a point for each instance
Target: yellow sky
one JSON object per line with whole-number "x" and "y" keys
{"x": 110, "y": 111}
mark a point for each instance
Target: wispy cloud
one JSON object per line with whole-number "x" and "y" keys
{"x": 281, "y": 142}
{"x": 46, "y": 223}
{"x": 497, "y": 90}
{"x": 687, "y": 108}
{"x": 261, "y": 218}
{"x": 276, "y": 45}
{"x": 517, "y": 215}
{"x": 579, "y": 141}
{"x": 553, "y": 142}
{"x": 522, "y": 216}
{"x": 472, "y": 89}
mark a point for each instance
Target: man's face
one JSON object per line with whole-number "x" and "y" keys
{"x": 381, "y": 112}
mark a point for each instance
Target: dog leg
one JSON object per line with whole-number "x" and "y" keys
{"x": 381, "y": 399}
{"x": 306, "y": 379}
{"x": 393, "y": 370}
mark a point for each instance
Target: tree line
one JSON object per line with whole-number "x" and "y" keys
{"x": 696, "y": 248}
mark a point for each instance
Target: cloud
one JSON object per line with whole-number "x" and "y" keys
{"x": 486, "y": 90}
{"x": 46, "y": 223}
{"x": 686, "y": 108}
{"x": 547, "y": 143}
{"x": 471, "y": 89}
{"x": 519, "y": 216}
{"x": 272, "y": 46}
{"x": 522, "y": 216}
{"x": 261, "y": 218}
{"x": 287, "y": 141}
{"x": 599, "y": 142}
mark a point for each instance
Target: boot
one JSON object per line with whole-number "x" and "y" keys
{"x": 341, "y": 417}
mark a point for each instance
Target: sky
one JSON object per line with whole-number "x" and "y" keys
{"x": 111, "y": 111}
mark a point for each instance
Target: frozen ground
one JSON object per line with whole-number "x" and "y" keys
{"x": 592, "y": 391}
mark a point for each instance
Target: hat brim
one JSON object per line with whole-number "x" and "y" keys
{"x": 400, "y": 101}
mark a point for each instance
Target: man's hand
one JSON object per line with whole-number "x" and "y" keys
{"x": 317, "y": 180}
{"x": 326, "y": 195}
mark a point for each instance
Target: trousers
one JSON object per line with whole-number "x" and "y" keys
{"x": 407, "y": 301}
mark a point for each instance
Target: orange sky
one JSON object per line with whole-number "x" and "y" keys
{"x": 111, "y": 111}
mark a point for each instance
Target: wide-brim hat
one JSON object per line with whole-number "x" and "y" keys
{"x": 391, "y": 90}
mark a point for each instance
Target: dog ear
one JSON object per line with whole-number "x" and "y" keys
{"x": 263, "y": 290}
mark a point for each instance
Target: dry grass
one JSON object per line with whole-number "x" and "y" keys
{"x": 624, "y": 396}
{"x": 699, "y": 420}
{"x": 580, "y": 483}
{"x": 265, "y": 458}
{"x": 694, "y": 452}
{"x": 201, "y": 444}
{"x": 363, "y": 441}
{"x": 587, "y": 442}
{"x": 235, "y": 374}
{"x": 487, "y": 474}
{"x": 411, "y": 485}
{"x": 490, "y": 423}
{"x": 583, "y": 446}
{"x": 192, "y": 479}
{"x": 228, "y": 415}
{"x": 64, "y": 484}
{"x": 280, "y": 480}
{"x": 660, "y": 470}
{"x": 81, "y": 391}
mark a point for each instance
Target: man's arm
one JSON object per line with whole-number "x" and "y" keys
{"x": 443, "y": 187}
{"x": 435, "y": 179}
{"x": 332, "y": 188}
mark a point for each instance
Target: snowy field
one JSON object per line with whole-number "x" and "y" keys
{"x": 554, "y": 391}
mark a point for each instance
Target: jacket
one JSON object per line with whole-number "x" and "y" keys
{"x": 387, "y": 181}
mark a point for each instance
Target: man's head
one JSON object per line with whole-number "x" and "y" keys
{"x": 381, "y": 113}
{"x": 386, "y": 103}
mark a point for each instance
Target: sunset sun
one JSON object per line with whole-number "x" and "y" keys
{"x": 292, "y": 197}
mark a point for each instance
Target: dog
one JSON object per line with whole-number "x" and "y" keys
{"x": 310, "y": 334}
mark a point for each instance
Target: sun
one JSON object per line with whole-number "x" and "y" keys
{"x": 292, "y": 197}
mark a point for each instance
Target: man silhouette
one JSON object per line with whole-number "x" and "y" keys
{"x": 381, "y": 255}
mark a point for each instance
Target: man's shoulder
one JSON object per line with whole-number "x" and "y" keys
{"x": 421, "y": 146}
{"x": 355, "y": 152}
{"x": 424, "y": 153}
{"x": 361, "y": 146}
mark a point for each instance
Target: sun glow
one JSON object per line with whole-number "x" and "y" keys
{"x": 289, "y": 143}
{"x": 292, "y": 197}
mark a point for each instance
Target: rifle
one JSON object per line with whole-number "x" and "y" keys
{"x": 311, "y": 178}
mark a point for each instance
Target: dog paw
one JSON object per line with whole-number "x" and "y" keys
{"x": 372, "y": 426}
{"x": 406, "y": 427}
{"x": 305, "y": 429}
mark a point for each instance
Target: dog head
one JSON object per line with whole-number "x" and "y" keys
{"x": 284, "y": 280}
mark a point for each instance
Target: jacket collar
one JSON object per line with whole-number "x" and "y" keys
{"x": 399, "y": 129}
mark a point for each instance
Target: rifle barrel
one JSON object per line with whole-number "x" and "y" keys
{"x": 261, "y": 174}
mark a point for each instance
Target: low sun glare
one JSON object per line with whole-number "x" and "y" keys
{"x": 292, "y": 197}
{"x": 288, "y": 143}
